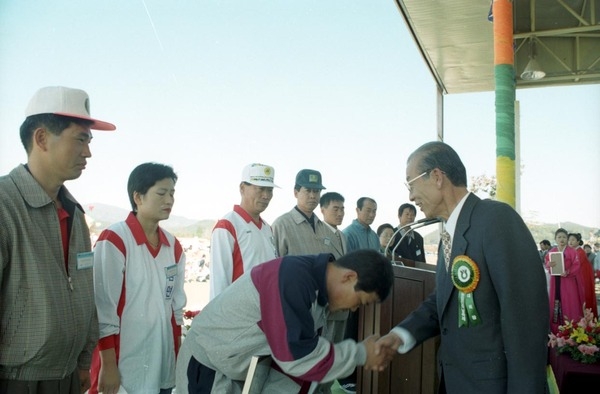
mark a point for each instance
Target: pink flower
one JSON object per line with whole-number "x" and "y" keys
{"x": 588, "y": 349}
{"x": 579, "y": 339}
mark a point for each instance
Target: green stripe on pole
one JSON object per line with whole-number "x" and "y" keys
{"x": 505, "y": 110}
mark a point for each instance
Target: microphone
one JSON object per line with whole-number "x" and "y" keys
{"x": 413, "y": 226}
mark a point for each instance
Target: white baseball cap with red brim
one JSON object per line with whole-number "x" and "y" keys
{"x": 60, "y": 100}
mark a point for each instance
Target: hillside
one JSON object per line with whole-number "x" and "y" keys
{"x": 100, "y": 216}
{"x": 103, "y": 215}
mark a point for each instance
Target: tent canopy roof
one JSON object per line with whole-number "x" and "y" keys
{"x": 456, "y": 40}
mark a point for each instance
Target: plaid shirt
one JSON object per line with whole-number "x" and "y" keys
{"x": 48, "y": 323}
{"x": 295, "y": 236}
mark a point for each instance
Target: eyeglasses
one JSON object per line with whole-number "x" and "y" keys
{"x": 407, "y": 183}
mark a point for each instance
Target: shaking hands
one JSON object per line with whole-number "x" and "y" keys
{"x": 380, "y": 351}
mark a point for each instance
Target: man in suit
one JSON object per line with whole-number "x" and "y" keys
{"x": 494, "y": 276}
{"x": 332, "y": 208}
{"x": 545, "y": 247}
{"x": 411, "y": 246}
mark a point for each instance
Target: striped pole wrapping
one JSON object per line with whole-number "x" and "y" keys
{"x": 504, "y": 76}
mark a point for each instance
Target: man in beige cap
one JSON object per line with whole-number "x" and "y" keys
{"x": 47, "y": 312}
{"x": 242, "y": 239}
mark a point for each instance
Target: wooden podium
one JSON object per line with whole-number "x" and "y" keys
{"x": 414, "y": 372}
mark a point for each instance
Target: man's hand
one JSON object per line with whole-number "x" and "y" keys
{"x": 84, "y": 380}
{"x": 109, "y": 378}
{"x": 388, "y": 343}
{"x": 376, "y": 361}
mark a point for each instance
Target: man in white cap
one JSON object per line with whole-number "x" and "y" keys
{"x": 47, "y": 313}
{"x": 242, "y": 239}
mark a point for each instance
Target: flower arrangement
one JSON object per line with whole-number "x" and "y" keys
{"x": 579, "y": 339}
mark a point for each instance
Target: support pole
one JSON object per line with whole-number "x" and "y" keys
{"x": 504, "y": 75}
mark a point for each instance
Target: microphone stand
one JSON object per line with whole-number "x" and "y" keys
{"x": 411, "y": 227}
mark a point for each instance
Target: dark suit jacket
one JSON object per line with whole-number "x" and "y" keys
{"x": 507, "y": 352}
{"x": 413, "y": 250}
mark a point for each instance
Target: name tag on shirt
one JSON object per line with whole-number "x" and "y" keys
{"x": 85, "y": 260}
{"x": 327, "y": 241}
{"x": 418, "y": 252}
{"x": 171, "y": 273}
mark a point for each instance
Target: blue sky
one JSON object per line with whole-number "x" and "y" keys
{"x": 337, "y": 86}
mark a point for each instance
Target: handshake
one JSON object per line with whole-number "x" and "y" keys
{"x": 380, "y": 351}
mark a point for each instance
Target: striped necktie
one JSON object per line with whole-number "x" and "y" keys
{"x": 446, "y": 243}
{"x": 339, "y": 237}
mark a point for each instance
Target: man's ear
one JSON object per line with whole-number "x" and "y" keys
{"x": 40, "y": 138}
{"x": 349, "y": 276}
{"x": 439, "y": 176}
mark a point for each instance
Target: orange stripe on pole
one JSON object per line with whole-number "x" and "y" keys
{"x": 503, "y": 32}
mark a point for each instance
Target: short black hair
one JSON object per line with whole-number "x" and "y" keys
{"x": 406, "y": 206}
{"x": 374, "y": 271}
{"x": 545, "y": 242}
{"x": 144, "y": 176}
{"x": 577, "y": 236}
{"x": 55, "y": 124}
{"x": 383, "y": 227}
{"x": 361, "y": 201}
{"x": 328, "y": 197}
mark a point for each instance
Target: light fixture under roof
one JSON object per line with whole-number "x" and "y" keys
{"x": 533, "y": 71}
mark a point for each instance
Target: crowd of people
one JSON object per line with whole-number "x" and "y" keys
{"x": 107, "y": 317}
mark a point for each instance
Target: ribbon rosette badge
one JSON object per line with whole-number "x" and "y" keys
{"x": 465, "y": 276}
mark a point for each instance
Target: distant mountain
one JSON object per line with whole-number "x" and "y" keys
{"x": 539, "y": 231}
{"x": 542, "y": 231}
{"x": 103, "y": 215}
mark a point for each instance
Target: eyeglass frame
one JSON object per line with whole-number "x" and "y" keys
{"x": 408, "y": 183}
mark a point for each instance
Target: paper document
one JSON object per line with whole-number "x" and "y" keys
{"x": 559, "y": 263}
